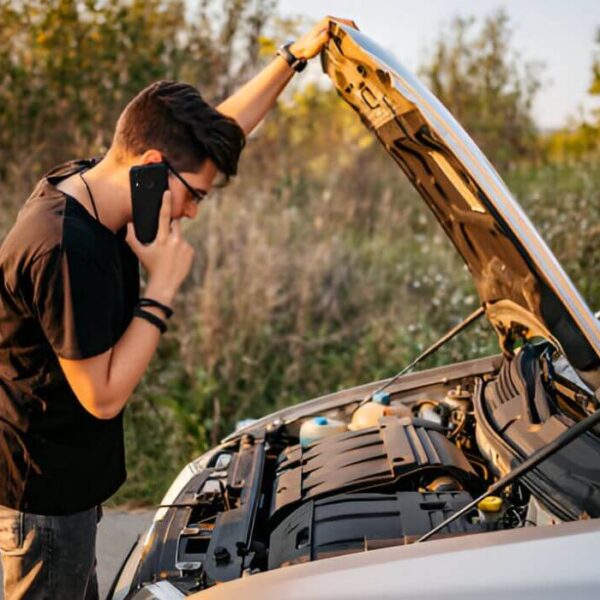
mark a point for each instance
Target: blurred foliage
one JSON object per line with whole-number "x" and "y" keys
{"x": 595, "y": 85}
{"x": 320, "y": 267}
{"x": 487, "y": 86}
{"x": 580, "y": 139}
{"x": 68, "y": 67}
{"x": 563, "y": 201}
{"x": 572, "y": 144}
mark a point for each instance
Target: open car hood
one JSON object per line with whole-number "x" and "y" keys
{"x": 522, "y": 287}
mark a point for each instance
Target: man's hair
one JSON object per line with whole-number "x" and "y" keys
{"x": 172, "y": 117}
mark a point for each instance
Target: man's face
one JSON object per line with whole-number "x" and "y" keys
{"x": 184, "y": 204}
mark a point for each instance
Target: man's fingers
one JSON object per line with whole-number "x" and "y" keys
{"x": 164, "y": 218}
{"x": 130, "y": 238}
{"x": 344, "y": 21}
{"x": 176, "y": 227}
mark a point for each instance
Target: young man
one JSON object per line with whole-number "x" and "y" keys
{"x": 75, "y": 337}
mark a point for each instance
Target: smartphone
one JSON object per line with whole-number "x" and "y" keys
{"x": 148, "y": 184}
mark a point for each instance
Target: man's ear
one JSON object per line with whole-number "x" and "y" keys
{"x": 151, "y": 156}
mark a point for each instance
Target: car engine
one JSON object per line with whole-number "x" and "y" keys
{"x": 267, "y": 498}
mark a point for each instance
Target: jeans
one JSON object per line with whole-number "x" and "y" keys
{"x": 49, "y": 557}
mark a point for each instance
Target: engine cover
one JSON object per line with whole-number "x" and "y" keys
{"x": 357, "y": 522}
{"x": 368, "y": 458}
{"x": 520, "y": 409}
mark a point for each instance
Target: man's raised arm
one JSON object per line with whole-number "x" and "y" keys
{"x": 251, "y": 102}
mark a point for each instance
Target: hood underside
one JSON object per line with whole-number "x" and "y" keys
{"x": 523, "y": 288}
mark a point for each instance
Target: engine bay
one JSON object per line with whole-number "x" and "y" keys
{"x": 270, "y": 497}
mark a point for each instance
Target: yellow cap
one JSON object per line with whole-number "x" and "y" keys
{"x": 490, "y": 504}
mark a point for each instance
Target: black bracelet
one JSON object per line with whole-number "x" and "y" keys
{"x": 156, "y": 304}
{"x": 156, "y": 321}
{"x": 298, "y": 64}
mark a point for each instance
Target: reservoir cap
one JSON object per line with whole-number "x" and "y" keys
{"x": 490, "y": 504}
{"x": 381, "y": 398}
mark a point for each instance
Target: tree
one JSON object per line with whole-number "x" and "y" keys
{"x": 68, "y": 67}
{"x": 595, "y": 85}
{"x": 487, "y": 86}
{"x": 580, "y": 137}
{"x": 594, "y": 90}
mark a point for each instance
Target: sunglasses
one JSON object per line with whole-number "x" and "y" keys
{"x": 197, "y": 195}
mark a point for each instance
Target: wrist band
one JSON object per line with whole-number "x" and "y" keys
{"x": 167, "y": 310}
{"x": 298, "y": 64}
{"x": 156, "y": 321}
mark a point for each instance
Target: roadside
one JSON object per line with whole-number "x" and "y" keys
{"x": 117, "y": 532}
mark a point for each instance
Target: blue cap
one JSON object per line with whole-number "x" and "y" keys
{"x": 320, "y": 421}
{"x": 381, "y": 398}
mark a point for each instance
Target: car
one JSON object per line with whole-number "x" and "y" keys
{"x": 480, "y": 478}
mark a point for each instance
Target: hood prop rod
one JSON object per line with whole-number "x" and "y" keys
{"x": 558, "y": 443}
{"x": 446, "y": 338}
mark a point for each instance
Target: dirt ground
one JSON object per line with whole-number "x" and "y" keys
{"x": 117, "y": 532}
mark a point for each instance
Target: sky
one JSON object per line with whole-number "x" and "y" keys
{"x": 558, "y": 33}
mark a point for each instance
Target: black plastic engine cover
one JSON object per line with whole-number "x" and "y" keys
{"x": 368, "y": 458}
{"x": 357, "y": 522}
{"x": 517, "y": 408}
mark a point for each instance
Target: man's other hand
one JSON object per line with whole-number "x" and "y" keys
{"x": 167, "y": 259}
{"x": 311, "y": 43}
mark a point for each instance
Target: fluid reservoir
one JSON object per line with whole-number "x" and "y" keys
{"x": 491, "y": 512}
{"x": 368, "y": 414}
{"x": 318, "y": 428}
